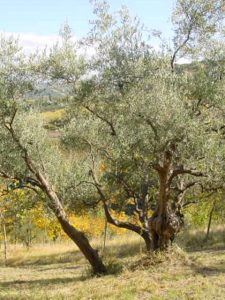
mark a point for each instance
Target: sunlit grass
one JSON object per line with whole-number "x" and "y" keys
{"x": 59, "y": 271}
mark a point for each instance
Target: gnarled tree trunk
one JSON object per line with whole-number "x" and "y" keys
{"x": 164, "y": 223}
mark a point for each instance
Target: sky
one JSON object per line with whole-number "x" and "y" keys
{"x": 37, "y": 22}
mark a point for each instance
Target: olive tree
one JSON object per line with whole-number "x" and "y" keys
{"x": 136, "y": 119}
{"x": 27, "y": 154}
{"x": 156, "y": 139}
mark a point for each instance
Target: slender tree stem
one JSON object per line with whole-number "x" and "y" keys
{"x": 105, "y": 236}
{"x": 5, "y": 243}
{"x": 210, "y": 221}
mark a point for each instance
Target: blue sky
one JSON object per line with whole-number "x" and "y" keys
{"x": 41, "y": 19}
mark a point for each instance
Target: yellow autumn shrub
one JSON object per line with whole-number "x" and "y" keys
{"x": 51, "y": 116}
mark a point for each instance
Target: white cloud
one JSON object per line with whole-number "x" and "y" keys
{"x": 31, "y": 41}
{"x": 183, "y": 61}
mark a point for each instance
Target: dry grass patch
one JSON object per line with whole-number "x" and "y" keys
{"x": 174, "y": 256}
{"x": 58, "y": 271}
{"x": 41, "y": 254}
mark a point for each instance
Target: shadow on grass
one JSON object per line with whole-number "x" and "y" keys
{"x": 40, "y": 282}
{"x": 209, "y": 270}
{"x": 195, "y": 241}
{"x": 59, "y": 267}
{"x": 59, "y": 258}
{"x": 120, "y": 250}
{"x": 208, "y": 249}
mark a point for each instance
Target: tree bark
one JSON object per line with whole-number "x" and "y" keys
{"x": 83, "y": 244}
{"x": 104, "y": 237}
{"x": 147, "y": 239}
{"x": 76, "y": 236}
{"x": 158, "y": 223}
{"x": 164, "y": 223}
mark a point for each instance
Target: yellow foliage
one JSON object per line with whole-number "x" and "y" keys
{"x": 94, "y": 225}
{"x": 91, "y": 224}
{"x": 102, "y": 168}
{"x": 50, "y": 116}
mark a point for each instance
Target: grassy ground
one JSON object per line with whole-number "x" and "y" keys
{"x": 58, "y": 271}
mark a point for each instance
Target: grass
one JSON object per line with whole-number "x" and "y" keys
{"x": 194, "y": 239}
{"x": 58, "y": 271}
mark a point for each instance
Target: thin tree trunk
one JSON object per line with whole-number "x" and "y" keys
{"x": 5, "y": 243}
{"x": 210, "y": 221}
{"x": 104, "y": 238}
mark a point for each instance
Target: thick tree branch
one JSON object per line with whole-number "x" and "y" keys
{"x": 181, "y": 171}
{"x": 25, "y": 180}
{"x": 122, "y": 224}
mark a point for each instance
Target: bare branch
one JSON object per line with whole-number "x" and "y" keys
{"x": 185, "y": 187}
{"x": 13, "y": 117}
{"x": 25, "y": 180}
{"x": 150, "y": 123}
{"x": 109, "y": 123}
{"x": 182, "y": 45}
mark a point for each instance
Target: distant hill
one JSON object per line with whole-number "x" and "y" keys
{"x": 47, "y": 97}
